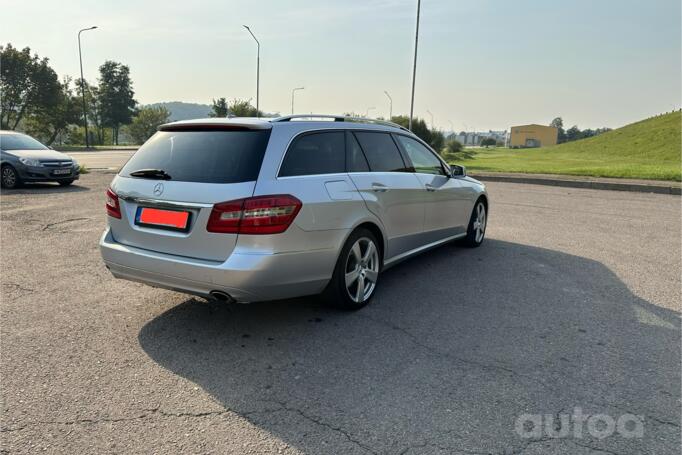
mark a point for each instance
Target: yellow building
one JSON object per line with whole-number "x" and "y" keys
{"x": 533, "y": 136}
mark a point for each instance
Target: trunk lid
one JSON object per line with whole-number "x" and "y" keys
{"x": 205, "y": 167}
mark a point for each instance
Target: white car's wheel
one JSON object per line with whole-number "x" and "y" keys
{"x": 477, "y": 225}
{"x": 356, "y": 273}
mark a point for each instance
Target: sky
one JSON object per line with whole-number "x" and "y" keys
{"x": 482, "y": 64}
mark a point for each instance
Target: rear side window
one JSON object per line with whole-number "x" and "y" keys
{"x": 356, "y": 159}
{"x": 381, "y": 152}
{"x": 315, "y": 153}
{"x": 203, "y": 156}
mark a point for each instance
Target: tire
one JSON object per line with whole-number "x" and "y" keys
{"x": 9, "y": 178}
{"x": 477, "y": 225}
{"x": 65, "y": 182}
{"x": 360, "y": 260}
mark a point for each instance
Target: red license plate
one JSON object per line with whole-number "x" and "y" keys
{"x": 166, "y": 219}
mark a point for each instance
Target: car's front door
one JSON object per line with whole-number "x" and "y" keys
{"x": 389, "y": 187}
{"x": 447, "y": 204}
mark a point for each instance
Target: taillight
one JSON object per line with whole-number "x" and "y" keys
{"x": 113, "y": 207}
{"x": 254, "y": 215}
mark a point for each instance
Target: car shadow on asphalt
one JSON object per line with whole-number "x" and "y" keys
{"x": 457, "y": 344}
{"x": 48, "y": 187}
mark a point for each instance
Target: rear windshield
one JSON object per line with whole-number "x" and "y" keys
{"x": 203, "y": 156}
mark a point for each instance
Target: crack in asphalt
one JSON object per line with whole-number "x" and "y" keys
{"x": 148, "y": 414}
{"x": 18, "y": 287}
{"x": 315, "y": 420}
{"x": 485, "y": 366}
{"x": 50, "y": 225}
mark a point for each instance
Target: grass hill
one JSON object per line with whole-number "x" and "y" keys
{"x": 649, "y": 149}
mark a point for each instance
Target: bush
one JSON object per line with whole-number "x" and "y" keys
{"x": 455, "y": 151}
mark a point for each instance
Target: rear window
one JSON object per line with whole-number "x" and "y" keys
{"x": 203, "y": 156}
{"x": 315, "y": 153}
{"x": 381, "y": 152}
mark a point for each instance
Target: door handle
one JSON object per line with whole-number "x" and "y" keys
{"x": 430, "y": 187}
{"x": 379, "y": 188}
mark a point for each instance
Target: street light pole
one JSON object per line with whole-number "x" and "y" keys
{"x": 429, "y": 112}
{"x": 390, "y": 106}
{"x": 414, "y": 66}
{"x": 257, "y": 71}
{"x": 80, "y": 59}
{"x": 369, "y": 109}
{"x": 292, "y": 98}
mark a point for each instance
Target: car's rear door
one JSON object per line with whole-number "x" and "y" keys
{"x": 390, "y": 189}
{"x": 447, "y": 205}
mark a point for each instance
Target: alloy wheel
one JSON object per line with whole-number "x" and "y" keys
{"x": 480, "y": 223}
{"x": 9, "y": 177}
{"x": 362, "y": 269}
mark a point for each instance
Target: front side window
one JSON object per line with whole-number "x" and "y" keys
{"x": 315, "y": 153}
{"x": 381, "y": 152}
{"x": 423, "y": 160}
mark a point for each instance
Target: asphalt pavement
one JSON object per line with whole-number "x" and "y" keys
{"x": 572, "y": 305}
{"x": 103, "y": 159}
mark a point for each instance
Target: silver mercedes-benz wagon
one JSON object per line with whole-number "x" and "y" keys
{"x": 247, "y": 209}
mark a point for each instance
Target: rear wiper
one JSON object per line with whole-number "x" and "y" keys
{"x": 151, "y": 174}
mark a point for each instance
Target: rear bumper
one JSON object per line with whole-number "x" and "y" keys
{"x": 246, "y": 277}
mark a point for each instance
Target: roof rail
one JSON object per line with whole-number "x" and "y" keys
{"x": 338, "y": 118}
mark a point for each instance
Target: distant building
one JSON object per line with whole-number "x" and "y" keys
{"x": 533, "y": 136}
{"x": 473, "y": 139}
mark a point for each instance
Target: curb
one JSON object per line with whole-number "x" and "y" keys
{"x": 589, "y": 184}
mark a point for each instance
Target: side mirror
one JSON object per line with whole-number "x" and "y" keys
{"x": 458, "y": 171}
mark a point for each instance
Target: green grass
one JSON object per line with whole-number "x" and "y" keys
{"x": 649, "y": 149}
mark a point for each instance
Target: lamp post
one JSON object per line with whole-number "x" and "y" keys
{"x": 257, "y": 71}
{"x": 390, "y": 106}
{"x": 80, "y": 59}
{"x": 369, "y": 109}
{"x": 414, "y": 66}
{"x": 452, "y": 126}
{"x": 292, "y": 98}
{"x": 430, "y": 114}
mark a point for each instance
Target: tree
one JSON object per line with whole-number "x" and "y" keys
{"x": 243, "y": 108}
{"x": 115, "y": 96}
{"x": 47, "y": 124}
{"x": 147, "y": 121}
{"x": 432, "y": 137}
{"x": 573, "y": 134}
{"x": 558, "y": 123}
{"x": 219, "y": 108}
{"x": 488, "y": 141}
{"x": 27, "y": 83}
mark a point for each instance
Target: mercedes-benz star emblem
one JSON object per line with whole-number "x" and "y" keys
{"x": 158, "y": 189}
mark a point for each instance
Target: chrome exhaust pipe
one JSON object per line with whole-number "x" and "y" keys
{"x": 221, "y": 296}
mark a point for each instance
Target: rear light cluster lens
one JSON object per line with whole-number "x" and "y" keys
{"x": 254, "y": 215}
{"x": 113, "y": 207}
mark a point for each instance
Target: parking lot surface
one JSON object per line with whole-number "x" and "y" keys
{"x": 571, "y": 303}
{"x": 102, "y": 159}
